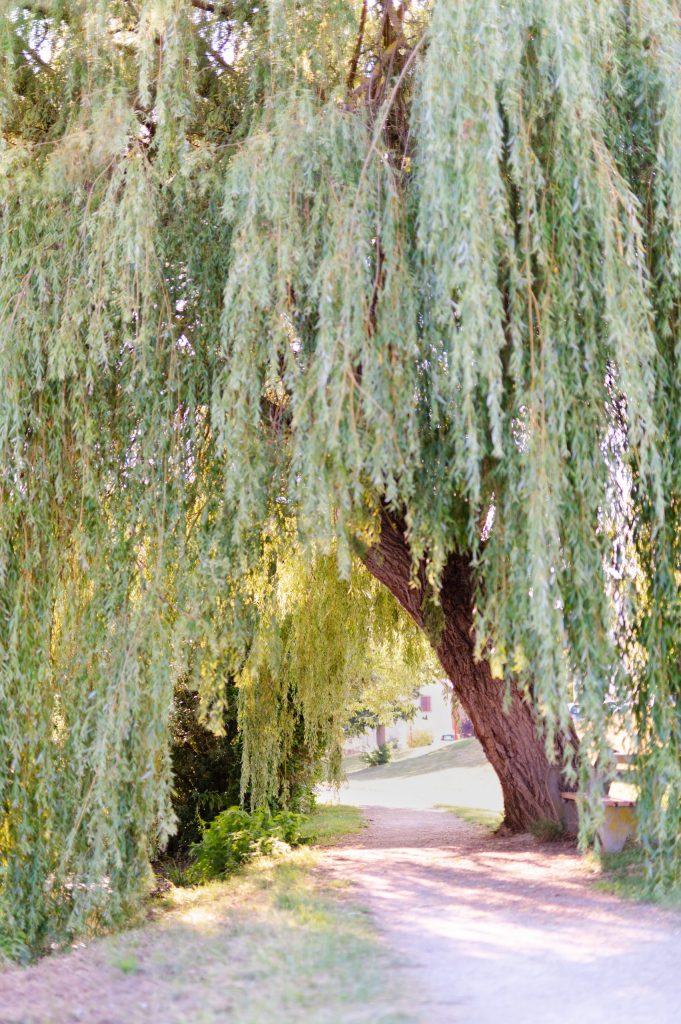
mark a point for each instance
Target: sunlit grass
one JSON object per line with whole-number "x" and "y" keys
{"x": 329, "y": 822}
{"x": 286, "y": 945}
{"x": 276, "y": 941}
{"x": 126, "y": 963}
{"x": 474, "y": 815}
{"x": 466, "y": 753}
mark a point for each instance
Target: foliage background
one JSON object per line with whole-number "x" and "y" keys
{"x": 267, "y": 268}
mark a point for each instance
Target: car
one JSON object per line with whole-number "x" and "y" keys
{"x": 447, "y": 737}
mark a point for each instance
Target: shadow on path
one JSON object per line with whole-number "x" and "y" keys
{"x": 507, "y": 929}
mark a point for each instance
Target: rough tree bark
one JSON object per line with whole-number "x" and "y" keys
{"x": 509, "y": 735}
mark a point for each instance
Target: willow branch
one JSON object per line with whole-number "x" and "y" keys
{"x": 352, "y": 73}
{"x": 212, "y": 8}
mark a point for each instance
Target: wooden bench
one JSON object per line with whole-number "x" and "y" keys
{"x": 619, "y": 821}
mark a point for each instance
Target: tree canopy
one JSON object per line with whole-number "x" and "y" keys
{"x": 278, "y": 266}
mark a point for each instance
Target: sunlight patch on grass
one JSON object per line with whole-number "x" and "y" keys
{"x": 282, "y": 942}
{"x": 466, "y": 753}
{"x": 328, "y": 822}
{"x": 474, "y": 815}
{"x": 126, "y": 963}
{"x": 356, "y": 763}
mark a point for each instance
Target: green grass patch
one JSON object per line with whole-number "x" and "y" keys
{"x": 463, "y": 754}
{"x": 624, "y": 874}
{"x": 127, "y": 963}
{"x": 328, "y": 822}
{"x": 474, "y": 815}
{"x": 275, "y": 941}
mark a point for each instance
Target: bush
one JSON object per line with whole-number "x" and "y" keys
{"x": 420, "y": 738}
{"x": 206, "y": 767}
{"x": 381, "y": 755}
{"x": 236, "y": 836}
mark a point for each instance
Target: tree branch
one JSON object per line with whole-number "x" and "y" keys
{"x": 36, "y": 58}
{"x": 220, "y": 60}
{"x": 352, "y": 73}
{"x": 212, "y": 8}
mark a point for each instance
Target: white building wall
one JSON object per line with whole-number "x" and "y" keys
{"x": 437, "y": 721}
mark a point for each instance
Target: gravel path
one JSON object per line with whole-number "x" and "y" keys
{"x": 508, "y": 930}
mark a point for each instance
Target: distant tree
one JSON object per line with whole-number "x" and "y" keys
{"x": 364, "y": 719}
{"x": 387, "y": 713}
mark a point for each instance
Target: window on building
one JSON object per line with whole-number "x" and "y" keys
{"x": 426, "y": 705}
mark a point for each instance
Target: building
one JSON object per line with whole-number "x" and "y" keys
{"x": 433, "y": 720}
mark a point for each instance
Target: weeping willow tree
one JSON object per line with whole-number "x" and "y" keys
{"x": 323, "y": 645}
{"x": 322, "y": 650}
{"x": 409, "y": 273}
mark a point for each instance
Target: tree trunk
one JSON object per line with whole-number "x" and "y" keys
{"x": 507, "y": 731}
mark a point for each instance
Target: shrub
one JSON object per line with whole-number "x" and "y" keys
{"x": 381, "y": 755}
{"x": 13, "y": 947}
{"x": 235, "y": 836}
{"x": 206, "y": 767}
{"x": 420, "y": 738}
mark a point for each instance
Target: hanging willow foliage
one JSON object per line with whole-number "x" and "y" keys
{"x": 324, "y": 256}
{"x": 322, "y": 643}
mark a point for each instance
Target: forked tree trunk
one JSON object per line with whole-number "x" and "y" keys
{"x": 508, "y": 734}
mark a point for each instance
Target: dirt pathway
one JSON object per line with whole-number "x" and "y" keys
{"x": 486, "y": 931}
{"x": 510, "y": 930}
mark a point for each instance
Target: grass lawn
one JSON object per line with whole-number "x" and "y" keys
{"x": 356, "y": 763}
{"x": 465, "y": 753}
{"x": 474, "y": 815}
{"x": 330, "y": 822}
{"x": 290, "y": 946}
{"x": 286, "y": 947}
{"x": 624, "y": 875}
